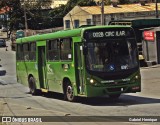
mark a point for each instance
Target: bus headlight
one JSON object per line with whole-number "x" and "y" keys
{"x": 136, "y": 77}
{"x": 91, "y": 81}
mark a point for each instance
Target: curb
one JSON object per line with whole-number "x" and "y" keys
{"x": 154, "y": 66}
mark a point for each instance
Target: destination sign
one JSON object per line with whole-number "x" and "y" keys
{"x": 106, "y": 33}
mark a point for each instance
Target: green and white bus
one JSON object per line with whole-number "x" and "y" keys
{"x": 90, "y": 62}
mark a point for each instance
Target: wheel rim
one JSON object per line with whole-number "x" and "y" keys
{"x": 69, "y": 93}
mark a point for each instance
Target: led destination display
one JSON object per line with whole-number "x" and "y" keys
{"x": 105, "y": 33}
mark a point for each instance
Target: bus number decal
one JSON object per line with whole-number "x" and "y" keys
{"x": 98, "y": 34}
{"x": 49, "y": 69}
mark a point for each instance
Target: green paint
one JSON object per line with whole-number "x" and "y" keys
{"x": 51, "y": 75}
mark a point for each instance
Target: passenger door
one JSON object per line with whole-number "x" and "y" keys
{"x": 79, "y": 67}
{"x": 41, "y": 47}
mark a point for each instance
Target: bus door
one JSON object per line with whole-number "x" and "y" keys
{"x": 42, "y": 66}
{"x": 158, "y": 46}
{"x": 79, "y": 67}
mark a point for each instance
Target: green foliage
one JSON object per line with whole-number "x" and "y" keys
{"x": 86, "y": 3}
{"x": 33, "y": 10}
{"x": 107, "y": 2}
{"x": 14, "y": 13}
{"x": 124, "y": 1}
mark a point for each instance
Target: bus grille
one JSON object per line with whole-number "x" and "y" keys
{"x": 117, "y": 83}
{"x": 116, "y": 89}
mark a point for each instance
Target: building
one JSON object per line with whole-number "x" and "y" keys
{"x": 3, "y": 16}
{"x": 91, "y": 15}
{"x": 57, "y": 3}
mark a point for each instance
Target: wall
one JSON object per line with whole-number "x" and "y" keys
{"x": 77, "y": 14}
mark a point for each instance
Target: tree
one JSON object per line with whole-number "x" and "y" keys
{"x": 33, "y": 10}
{"x": 59, "y": 12}
{"x": 72, "y": 3}
{"x": 124, "y": 1}
{"x": 13, "y": 11}
{"x": 37, "y": 13}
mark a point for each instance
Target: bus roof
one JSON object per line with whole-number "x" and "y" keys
{"x": 137, "y": 22}
{"x": 64, "y": 33}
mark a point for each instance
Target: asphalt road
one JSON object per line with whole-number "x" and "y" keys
{"x": 16, "y": 101}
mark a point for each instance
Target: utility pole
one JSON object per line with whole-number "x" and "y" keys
{"x": 25, "y": 19}
{"x": 102, "y": 12}
{"x": 71, "y": 20}
{"x": 156, "y": 9}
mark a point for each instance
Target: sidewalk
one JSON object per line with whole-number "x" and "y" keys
{"x": 153, "y": 66}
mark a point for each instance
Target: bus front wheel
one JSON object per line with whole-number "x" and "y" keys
{"x": 32, "y": 86}
{"x": 69, "y": 93}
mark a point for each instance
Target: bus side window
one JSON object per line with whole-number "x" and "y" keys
{"x": 19, "y": 53}
{"x": 26, "y": 51}
{"x": 53, "y": 50}
{"x": 32, "y": 53}
{"x": 66, "y": 49}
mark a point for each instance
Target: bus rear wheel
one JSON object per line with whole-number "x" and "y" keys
{"x": 32, "y": 85}
{"x": 69, "y": 93}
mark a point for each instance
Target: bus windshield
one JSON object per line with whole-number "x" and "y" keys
{"x": 111, "y": 55}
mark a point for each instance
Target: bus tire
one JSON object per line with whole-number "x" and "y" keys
{"x": 69, "y": 92}
{"x": 32, "y": 86}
